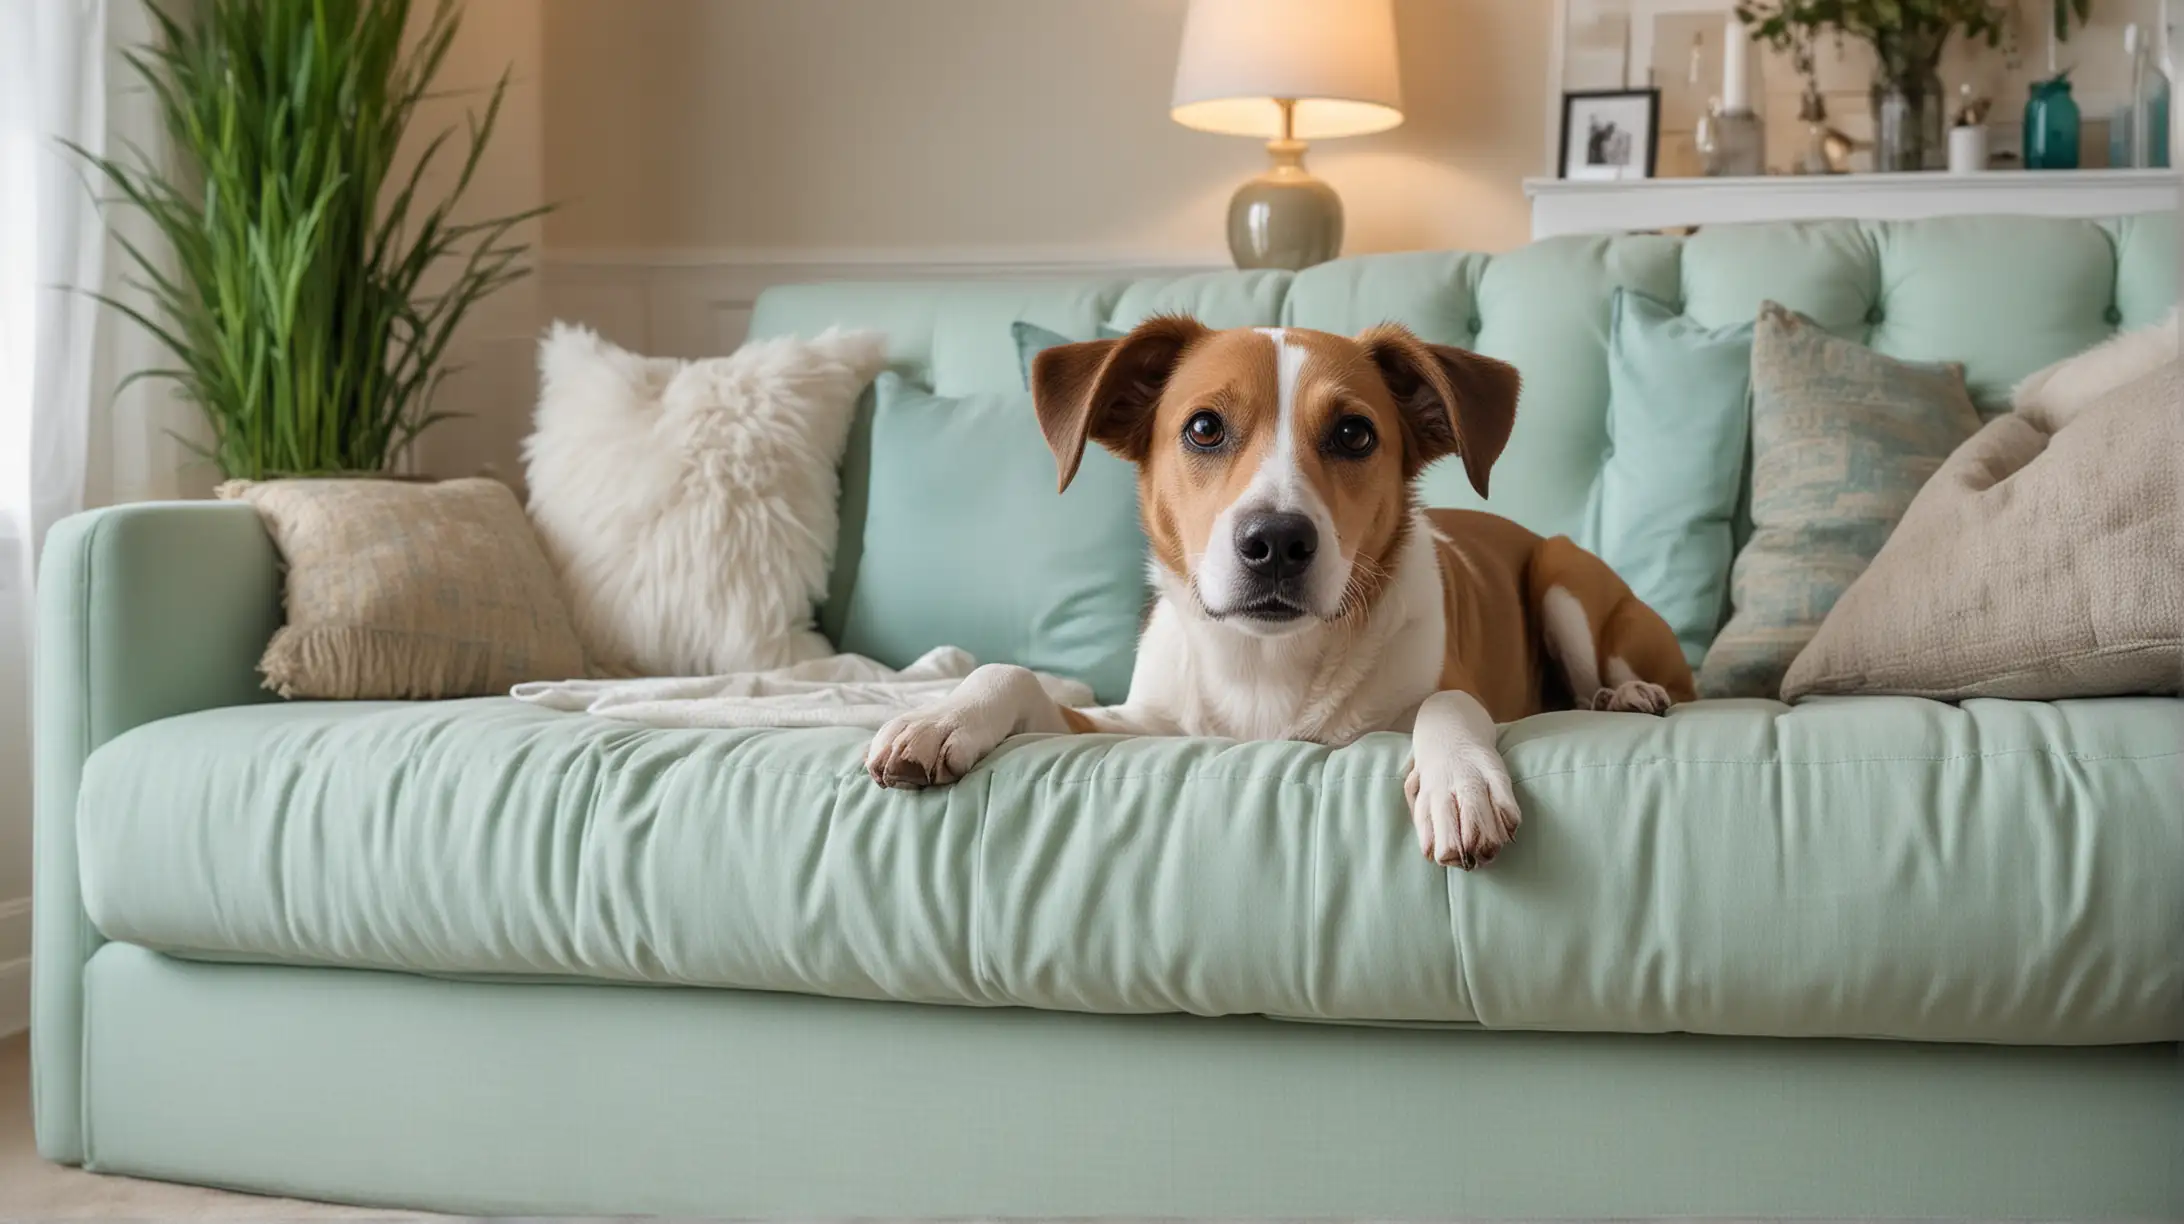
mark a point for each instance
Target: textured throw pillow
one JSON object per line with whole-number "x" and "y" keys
{"x": 690, "y": 507}
{"x": 1842, "y": 440}
{"x": 1663, "y": 511}
{"x": 408, "y": 591}
{"x": 2042, "y": 561}
{"x": 967, "y": 544}
{"x": 1032, "y": 340}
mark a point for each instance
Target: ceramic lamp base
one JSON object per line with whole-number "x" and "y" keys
{"x": 1285, "y": 218}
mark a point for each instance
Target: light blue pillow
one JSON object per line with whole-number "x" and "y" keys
{"x": 1663, "y": 510}
{"x": 1032, "y": 340}
{"x": 967, "y": 544}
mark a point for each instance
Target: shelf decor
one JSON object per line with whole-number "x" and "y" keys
{"x": 1907, "y": 37}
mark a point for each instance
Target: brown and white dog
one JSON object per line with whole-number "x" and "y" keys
{"x": 1302, "y": 592}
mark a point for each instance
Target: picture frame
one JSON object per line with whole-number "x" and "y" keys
{"x": 1610, "y": 134}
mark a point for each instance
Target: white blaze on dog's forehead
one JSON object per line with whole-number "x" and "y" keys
{"x": 1278, "y": 484}
{"x": 1279, "y": 468}
{"x": 1288, "y": 368}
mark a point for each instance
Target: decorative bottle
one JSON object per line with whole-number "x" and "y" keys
{"x": 2138, "y": 133}
{"x": 2174, "y": 116}
{"x": 2051, "y": 125}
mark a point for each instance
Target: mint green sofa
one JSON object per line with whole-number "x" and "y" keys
{"x": 1857, "y": 957}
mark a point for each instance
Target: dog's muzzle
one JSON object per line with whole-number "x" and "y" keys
{"x": 1276, "y": 549}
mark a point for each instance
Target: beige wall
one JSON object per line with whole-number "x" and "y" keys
{"x": 495, "y": 385}
{"x": 781, "y": 131}
{"x": 993, "y": 125}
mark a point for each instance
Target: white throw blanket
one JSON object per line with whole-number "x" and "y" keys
{"x": 837, "y": 691}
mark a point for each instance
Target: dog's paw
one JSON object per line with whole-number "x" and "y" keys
{"x": 1633, "y": 697}
{"x": 932, "y": 747}
{"x": 1465, "y": 810}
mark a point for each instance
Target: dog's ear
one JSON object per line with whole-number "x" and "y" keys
{"x": 1452, "y": 401}
{"x": 1106, "y": 390}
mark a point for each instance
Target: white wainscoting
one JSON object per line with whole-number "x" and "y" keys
{"x": 698, "y": 303}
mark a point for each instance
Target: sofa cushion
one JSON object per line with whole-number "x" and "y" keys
{"x": 393, "y": 589}
{"x": 2043, "y": 560}
{"x": 1842, "y": 440}
{"x": 1663, "y": 512}
{"x": 691, "y": 507}
{"x": 1867, "y": 866}
{"x": 966, "y": 543}
{"x": 1032, "y": 340}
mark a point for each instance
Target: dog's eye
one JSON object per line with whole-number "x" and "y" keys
{"x": 1204, "y": 430}
{"x": 1354, "y": 437}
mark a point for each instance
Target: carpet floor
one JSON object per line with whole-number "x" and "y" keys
{"x": 33, "y": 1188}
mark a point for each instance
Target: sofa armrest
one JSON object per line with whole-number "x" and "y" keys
{"x": 144, "y": 611}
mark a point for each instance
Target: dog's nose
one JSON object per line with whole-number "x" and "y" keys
{"x": 1277, "y": 545}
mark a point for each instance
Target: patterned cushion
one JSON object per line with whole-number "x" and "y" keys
{"x": 409, "y": 591}
{"x": 1842, "y": 440}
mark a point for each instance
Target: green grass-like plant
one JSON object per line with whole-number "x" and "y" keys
{"x": 315, "y": 288}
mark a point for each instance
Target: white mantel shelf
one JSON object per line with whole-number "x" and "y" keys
{"x": 1563, "y": 206}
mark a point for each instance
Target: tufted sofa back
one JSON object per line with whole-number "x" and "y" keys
{"x": 2003, "y": 295}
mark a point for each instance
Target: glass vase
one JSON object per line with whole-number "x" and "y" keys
{"x": 2051, "y": 126}
{"x": 1909, "y": 121}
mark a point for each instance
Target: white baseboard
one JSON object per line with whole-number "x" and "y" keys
{"x": 14, "y": 965}
{"x": 694, "y": 303}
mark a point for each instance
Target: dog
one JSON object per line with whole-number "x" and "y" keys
{"x": 1301, "y": 591}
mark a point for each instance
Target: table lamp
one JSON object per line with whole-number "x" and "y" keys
{"x": 1292, "y": 71}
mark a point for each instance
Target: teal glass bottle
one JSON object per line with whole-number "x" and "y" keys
{"x": 2051, "y": 126}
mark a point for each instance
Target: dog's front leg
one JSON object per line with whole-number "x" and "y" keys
{"x": 939, "y": 744}
{"x": 1459, "y": 792}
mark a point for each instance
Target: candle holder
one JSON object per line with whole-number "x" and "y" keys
{"x": 1731, "y": 143}
{"x": 1731, "y": 140}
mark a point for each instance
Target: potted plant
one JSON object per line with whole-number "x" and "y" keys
{"x": 316, "y": 277}
{"x": 1907, "y": 37}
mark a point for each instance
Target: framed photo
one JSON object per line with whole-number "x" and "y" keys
{"x": 1610, "y": 134}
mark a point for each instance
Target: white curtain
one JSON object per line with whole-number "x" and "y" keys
{"x": 66, "y": 441}
{"x": 52, "y": 86}
{"x": 55, "y": 91}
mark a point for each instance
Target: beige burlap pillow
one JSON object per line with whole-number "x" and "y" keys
{"x": 409, "y": 591}
{"x": 2041, "y": 562}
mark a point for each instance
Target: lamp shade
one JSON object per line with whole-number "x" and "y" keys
{"x": 1335, "y": 58}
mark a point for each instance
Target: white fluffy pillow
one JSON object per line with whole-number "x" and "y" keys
{"x": 691, "y": 507}
{"x": 2059, "y": 391}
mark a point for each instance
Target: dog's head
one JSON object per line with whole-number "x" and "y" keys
{"x": 1275, "y": 465}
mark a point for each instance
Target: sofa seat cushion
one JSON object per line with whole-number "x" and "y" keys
{"x": 2000, "y": 871}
